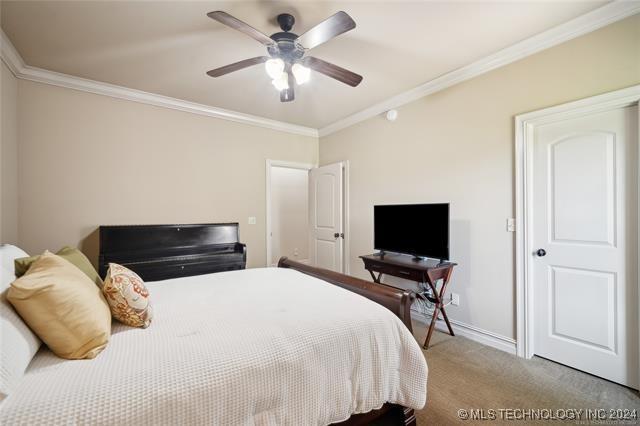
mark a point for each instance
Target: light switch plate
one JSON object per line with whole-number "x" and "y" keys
{"x": 511, "y": 225}
{"x": 252, "y": 220}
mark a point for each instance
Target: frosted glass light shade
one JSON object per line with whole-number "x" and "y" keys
{"x": 281, "y": 82}
{"x": 274, "y": 67}
{"x": 301, "y": 73}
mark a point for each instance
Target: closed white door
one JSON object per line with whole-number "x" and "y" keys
{"x": 326, "y": 217}
{"x": 585, "y": 241}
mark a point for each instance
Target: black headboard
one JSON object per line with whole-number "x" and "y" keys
{"x": 158, "y": 252}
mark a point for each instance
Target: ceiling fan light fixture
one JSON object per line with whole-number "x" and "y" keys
{"x": 287, "y": 60}
{"x": 274, "y": 67}
{"x": 281, "y": 82}
{"x": 301, "y": 73}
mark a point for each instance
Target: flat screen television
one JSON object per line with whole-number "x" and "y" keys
{"x": 421, "y": 230}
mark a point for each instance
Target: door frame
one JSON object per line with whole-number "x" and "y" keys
{"x": 268, "y": 165}
{"x": 524, "y": 140}
{"x": 346, "y": 251}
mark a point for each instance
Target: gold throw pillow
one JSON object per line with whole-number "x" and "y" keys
{"x": 63, "y": 307}
{"x": 127, "y": 296}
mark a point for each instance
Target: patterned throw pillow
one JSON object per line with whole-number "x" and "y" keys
{"x": 127, "y": 296}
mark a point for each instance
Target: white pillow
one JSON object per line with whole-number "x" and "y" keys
{"x": 18, "y": 344}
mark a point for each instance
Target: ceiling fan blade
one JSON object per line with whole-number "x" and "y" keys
{"x": 287, "y": 95}
{"x": 236, "y": 24}
{"x": 237, "y": 66}
{"x": 333, "y": 71}
{"x": 331, "y": 27}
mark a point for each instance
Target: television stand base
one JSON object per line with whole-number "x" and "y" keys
{"x": 424, "y": 271}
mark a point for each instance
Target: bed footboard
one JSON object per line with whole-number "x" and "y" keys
{"x": 397, "y": 301}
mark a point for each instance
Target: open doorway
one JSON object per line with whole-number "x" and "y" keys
{"x": 287, "y": 211}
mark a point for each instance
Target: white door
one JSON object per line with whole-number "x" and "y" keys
{"x": 585, "y": 216}
{"x": 326, "y": 217}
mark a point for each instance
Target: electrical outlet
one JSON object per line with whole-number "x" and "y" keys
{"x": 511, "y": 225}
{"x": 295, "y": 252}
{"x": 252, "y": 220}
{"x": 455, "y": 299}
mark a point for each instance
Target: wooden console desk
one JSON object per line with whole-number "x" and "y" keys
{"x": 427, "y": 272}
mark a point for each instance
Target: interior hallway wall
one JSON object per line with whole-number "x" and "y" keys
{"x": 289, "y": 213}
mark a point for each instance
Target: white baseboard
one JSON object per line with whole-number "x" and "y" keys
{"x": 471, "y": 332}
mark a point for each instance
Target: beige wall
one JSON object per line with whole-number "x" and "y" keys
{"x": 87, "y": 160}
{"x": 458, "y": 146}
{"x": 289, "y": 213}
{"x": 8, "y": 157}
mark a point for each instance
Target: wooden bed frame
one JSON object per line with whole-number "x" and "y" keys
{"x": 157, "y": 252}
{"x": 398, "y": 302}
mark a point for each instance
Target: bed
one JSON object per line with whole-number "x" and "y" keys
{"x": 293, "y": 345}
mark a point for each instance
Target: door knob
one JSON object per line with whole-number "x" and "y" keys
{"x": 541, "y": 253}
{"x": 336, "y": 235}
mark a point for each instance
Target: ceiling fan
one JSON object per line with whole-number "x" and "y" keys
{"x": 287, "y": 61}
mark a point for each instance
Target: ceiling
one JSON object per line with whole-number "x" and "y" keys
{"x": 165, "y": 47}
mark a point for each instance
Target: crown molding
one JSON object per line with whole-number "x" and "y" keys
{"x": 14, "y": 62}
{"x": 591, "y": 21}
{"x": 10, "y": 55}
{"x": 596, "y": 19}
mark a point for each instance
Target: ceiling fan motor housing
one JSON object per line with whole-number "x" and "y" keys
{"x": 286, "y": 46}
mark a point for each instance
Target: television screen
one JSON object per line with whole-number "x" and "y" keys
{"x": 417, "y": 229}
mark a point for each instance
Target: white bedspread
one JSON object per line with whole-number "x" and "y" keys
{"x": 254, "y": 347}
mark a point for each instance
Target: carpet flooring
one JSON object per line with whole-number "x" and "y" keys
{"x": 467, "y": 375}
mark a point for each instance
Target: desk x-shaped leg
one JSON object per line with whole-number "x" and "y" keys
{"x": 375, "y": 280}
{"x": 433, "y": 276}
